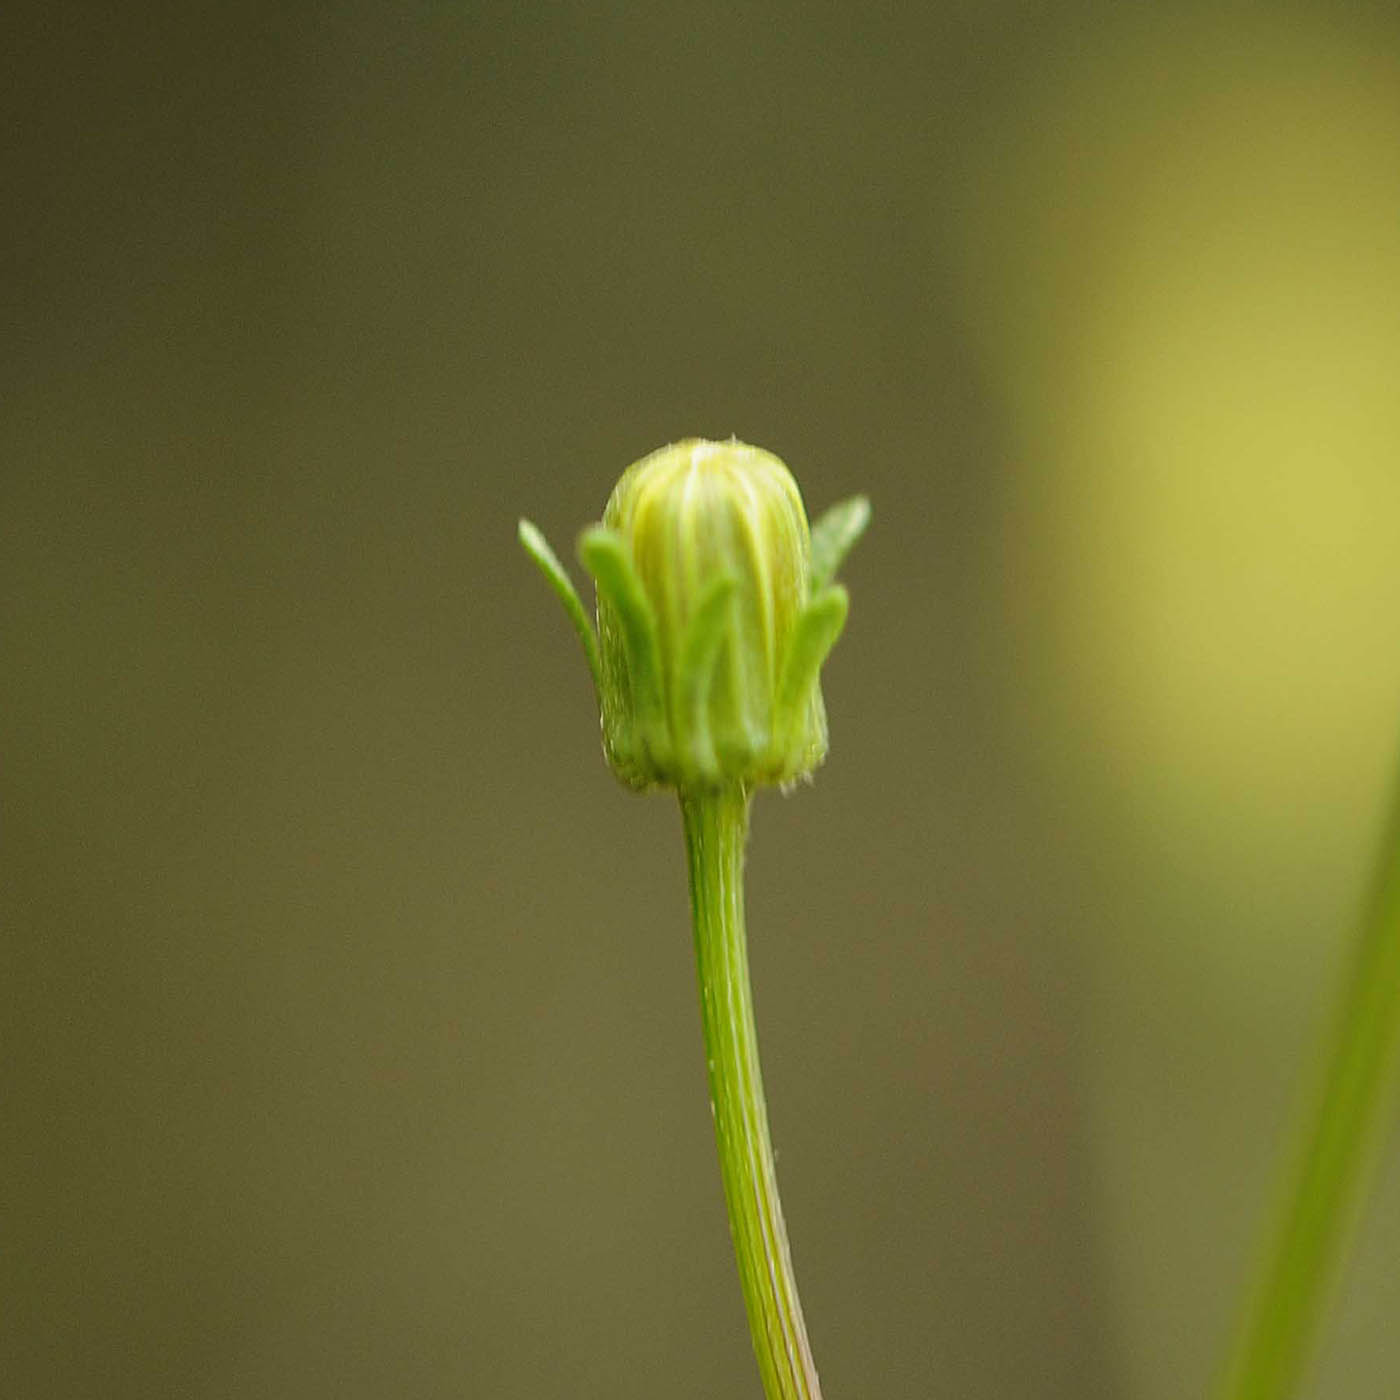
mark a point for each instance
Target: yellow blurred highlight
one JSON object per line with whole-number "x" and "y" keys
{"x": 1196, "y": 247}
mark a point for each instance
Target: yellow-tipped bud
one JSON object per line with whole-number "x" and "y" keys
{"x": 715, "y": 613}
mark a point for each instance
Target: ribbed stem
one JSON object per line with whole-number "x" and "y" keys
{"x": 1324, "y": 1189}
{"x": 716, "y": 829}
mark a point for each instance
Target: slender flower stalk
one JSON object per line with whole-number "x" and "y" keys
{"x": 716, "y": 610}
{"x": 1323, "y": 1191}
{"x": 716, "y": 826}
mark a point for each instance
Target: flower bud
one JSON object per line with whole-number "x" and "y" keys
{"x": 715, "y": 613}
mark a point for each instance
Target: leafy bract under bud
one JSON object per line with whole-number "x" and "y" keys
{"x": 715, "y": 612}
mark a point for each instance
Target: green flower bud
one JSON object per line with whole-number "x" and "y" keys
{"x": 715, "y": 612}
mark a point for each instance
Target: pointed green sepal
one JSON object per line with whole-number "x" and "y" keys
{"x": 537, "y": 547}
{"x": 623, "y": 605}
{"x": 705, "y": 635}
{"x": 811, "y": 643}
{"x": 832, "y": 538}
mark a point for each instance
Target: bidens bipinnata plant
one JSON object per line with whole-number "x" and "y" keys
{"x": 716, "y": 610}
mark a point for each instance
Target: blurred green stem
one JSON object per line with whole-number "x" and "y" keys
{"x": 1324, "y": 1189}
{"x": 716, "y": 829}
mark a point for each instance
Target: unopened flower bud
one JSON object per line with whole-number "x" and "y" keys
{"x": 715, "y": 613}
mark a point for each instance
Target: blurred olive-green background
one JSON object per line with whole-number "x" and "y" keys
{"x": 350, "y": 1038}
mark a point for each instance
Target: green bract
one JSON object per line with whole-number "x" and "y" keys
{"x": 716, "y": 610}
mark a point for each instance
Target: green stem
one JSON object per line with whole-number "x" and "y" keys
{"x": 1325, "y": 1187}
{"x": 716, "y": 828}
